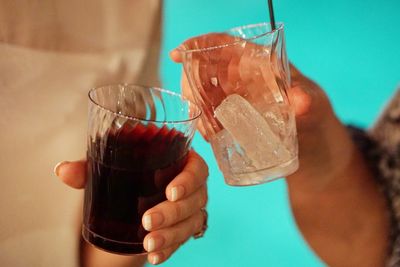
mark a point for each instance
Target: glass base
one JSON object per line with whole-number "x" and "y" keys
{"x": 112, "y": 246}
{"x": 262, "y": 176}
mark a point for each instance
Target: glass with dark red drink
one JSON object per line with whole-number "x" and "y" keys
{"x": 138, "y": 141}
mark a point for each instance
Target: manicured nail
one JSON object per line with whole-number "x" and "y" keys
{"x": 57, "y": 167}
{"x": 147, "y": 222}
{"x": 151, "y": 244}
{"x": 177, "y": 192}
{"x": 152, "y": 221}
{"x": 155, "y": 259}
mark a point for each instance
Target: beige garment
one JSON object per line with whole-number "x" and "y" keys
{"x": 51, "y": 53}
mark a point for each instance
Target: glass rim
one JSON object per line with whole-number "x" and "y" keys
{"x": 182, "y": 98}
{"x": 279, "y": 27}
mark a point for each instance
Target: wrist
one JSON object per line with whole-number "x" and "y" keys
{"x": 325, "y": 151}
{"x": 93, "y": 257}
{"x": 336, "y": 201}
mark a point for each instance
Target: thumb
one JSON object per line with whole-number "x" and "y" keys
{"x": 72, "y": 173}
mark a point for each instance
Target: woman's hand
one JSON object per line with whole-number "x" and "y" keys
{"x": 334, "y": 198}
{"x": 171, "y": 222}
{"x": 233, "y": 66}
{"x": 325, "y": 148}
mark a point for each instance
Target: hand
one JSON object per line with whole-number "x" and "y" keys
{"x": 334, "y": 198}
{"x": 171, "y": 222}
{"x": 237, "y": 71}
{"x": 241, "y": 68}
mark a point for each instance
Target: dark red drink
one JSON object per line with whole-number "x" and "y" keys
{"x": 128, "y": 171}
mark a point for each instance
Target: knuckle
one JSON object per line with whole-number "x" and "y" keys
{"x": 178, "y": 212}
{"x": 203, "y": 166}
{"x": 203, "y": 197}
{"x": 198, "y": 222}
{"x": 207, "y": 173}
{"x": 190, "y": 173}
{"x": 202, "y": 162}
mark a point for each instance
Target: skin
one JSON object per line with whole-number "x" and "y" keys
{"x": 334, "y": 198}
{"x": 173, "y": 221}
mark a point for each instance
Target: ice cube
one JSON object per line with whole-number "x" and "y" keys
{"x": 280, "y": 118}
{"x": 261, "y": 145}
{"x": 220, "y": 143}
{"x": 282, "y": 121}
{"x": 230, "y": 156}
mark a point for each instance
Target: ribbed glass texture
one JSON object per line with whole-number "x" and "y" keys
{"x": 240, "y": 79}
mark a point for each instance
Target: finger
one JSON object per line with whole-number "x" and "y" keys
{"x": 294, "y": 72}
{"x": 202, "y": 130}
{"x": 187, "y": 93}
{"x": 159, "y": 257}
{"x": 199, "y": 42}
{"x": 175, "y": 55}
{"x": 72, "y": 173}
{"x": 301, "y": 100}
{"x": 169, "y": 213}
{"x": 193, "y": 176}
{"x": 177, "y": 234}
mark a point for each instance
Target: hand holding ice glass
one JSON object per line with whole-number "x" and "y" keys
{"x": 239, "y": 79}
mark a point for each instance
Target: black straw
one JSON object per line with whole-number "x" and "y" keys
{"x": 271, "y": 15}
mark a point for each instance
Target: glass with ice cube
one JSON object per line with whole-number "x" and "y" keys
{"x": 239, "y": 78}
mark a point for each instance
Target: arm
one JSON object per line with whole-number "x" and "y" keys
{"x": 335, "y": 199}
{"x": 91, "y": 256}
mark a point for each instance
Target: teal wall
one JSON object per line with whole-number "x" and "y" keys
{"x": 351, "y": 48}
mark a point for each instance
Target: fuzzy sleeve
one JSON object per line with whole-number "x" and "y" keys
{"x": 381, "y": 147}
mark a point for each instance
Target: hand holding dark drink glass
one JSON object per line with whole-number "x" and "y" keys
{"x": 141, "y": 174}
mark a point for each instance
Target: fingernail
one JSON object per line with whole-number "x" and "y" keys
{"x": 147, "y": 222}
{"x": 151, "y": 244}
{"x": 57, "y": 167}
{"x": 155, "y": 259}
{"x": 152, "y": 220}
{"x": 177, "y": 192}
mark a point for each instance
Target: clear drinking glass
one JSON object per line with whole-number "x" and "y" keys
{"x": 138, "y": 141}
{"x": 239, "y": 78}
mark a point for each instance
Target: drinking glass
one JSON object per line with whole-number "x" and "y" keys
{"x": 240, "y": 78}
{"x": 138, "y": 141}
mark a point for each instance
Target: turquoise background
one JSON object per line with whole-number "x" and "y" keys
{"x": 351, "y": 48}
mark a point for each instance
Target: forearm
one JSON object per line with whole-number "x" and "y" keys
{"x": 336, "y": 202}
{"x": 93, "y": 257}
